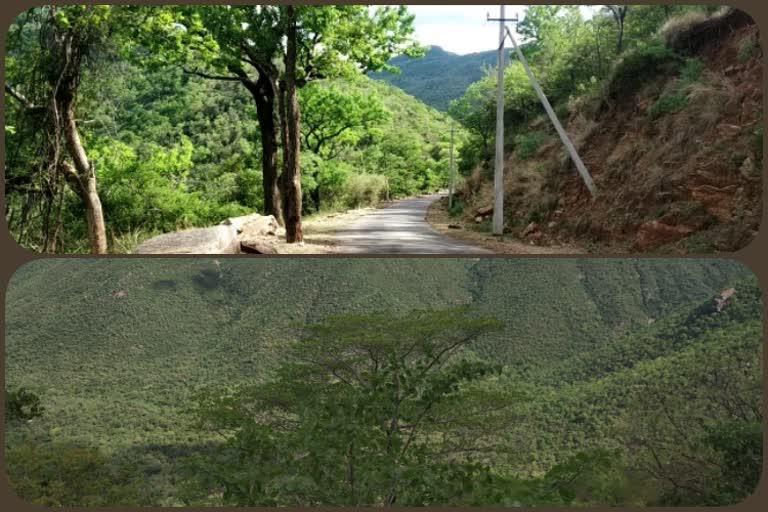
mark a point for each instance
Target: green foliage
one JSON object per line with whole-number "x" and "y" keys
{"x": 22, "y": 404}
{"x": 60, "y": 475}
{"x": 365, "y": 190}
{"x": 526, "y": 144}
{"x": 749, "y": 48}
{"x": 668, "y": 104}
{"x": 353, "y": 415}
{"x": 677, "y": 100}
{"x": 573, "y": 356}
{"x": 638, "y": 66}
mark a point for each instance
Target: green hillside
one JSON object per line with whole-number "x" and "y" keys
{"x": 438, "y": 77}
{"x": 118, "y": 349}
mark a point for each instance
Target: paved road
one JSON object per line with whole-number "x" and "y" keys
{"x": 400, "y": 228}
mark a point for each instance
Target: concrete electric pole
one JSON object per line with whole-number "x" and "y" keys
{"x": 498, "y": 168}
{"x": 450, "y": 193}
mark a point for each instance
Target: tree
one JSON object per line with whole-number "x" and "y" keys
{"x": 69, "y": 37}
{"x": 619, "y": 13}
{"x": 22, "y": 405}
{"x": 287, "y": 47}
{"x": 366, "y": 410}
{"x": 334, "y": 119}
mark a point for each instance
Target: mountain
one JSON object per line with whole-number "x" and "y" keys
{"x": 119, "y": 348}
{"x": 438, "y": 77}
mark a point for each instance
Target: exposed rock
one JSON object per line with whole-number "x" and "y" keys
{"x": 221, "y": 239}
{"x": 551, "y": 224}
{"x": 748, "y": 168}
{"x": 716, "y": 200}
{"x": 724, "y": 299}
{"x": 253, "y": 225}
{"x": 485, "y": 210}
{"x": 655, "y": 234}
{"x": 529, "y": 229}
{"x": 255, "y": 245}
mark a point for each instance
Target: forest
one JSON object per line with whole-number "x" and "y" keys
{"x": 126, "y": 122}
{"x": 391, "y": 382}
{"x": 123, "y": 122}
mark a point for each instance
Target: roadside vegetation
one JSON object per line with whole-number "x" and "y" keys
{"x": 175, "y": 117}
{"x": 664, "y": 104}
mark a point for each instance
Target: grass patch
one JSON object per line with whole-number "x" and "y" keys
{"x": 668, "y": 104}
{"x": 677, "y": 100}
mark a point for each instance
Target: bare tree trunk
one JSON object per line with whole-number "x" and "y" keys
{"x": 82, "y": 178}
{"x": 291, "y": 178}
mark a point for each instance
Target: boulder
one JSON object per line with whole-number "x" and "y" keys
{"x": 255, "y": 245}
{"x": 529, "y": 229}
{"x": 220, "y": 239}
{"x": 253, "y": 225}
{"x": 485, "y": 210}
{"x": 478, "y": 220}
{"x": 655, "y": 234}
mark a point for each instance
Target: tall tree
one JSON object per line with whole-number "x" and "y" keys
{"x": 285, "y": 47}
{"x": 334, "y": 119}
{"x": 619, "y": 13}
{"x": 69, "y": 37}
{"x": 370, "y": 410}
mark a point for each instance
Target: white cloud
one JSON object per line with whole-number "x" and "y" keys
{"x": 463, "y": 29}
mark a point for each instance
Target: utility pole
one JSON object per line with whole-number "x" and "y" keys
{"x": 590, "y": 184}
{"x": 450, "y": 193}
{"x": 498, "y": 169}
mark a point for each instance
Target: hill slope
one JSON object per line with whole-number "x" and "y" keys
{"x": 118, "y": 348}
{"x": 438, "y": 77}
{"x": 673, "y": 142}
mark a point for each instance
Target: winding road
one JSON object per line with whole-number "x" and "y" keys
{"x": 400, "y": 228}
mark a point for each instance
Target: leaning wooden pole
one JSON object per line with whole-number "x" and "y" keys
{"x": 556, "y": 122}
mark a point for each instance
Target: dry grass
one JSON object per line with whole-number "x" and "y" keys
{"x": 676, "y": 29}
{"x": 439, "y": 218}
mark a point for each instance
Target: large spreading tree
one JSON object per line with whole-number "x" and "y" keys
{"x": 273, "y": 51}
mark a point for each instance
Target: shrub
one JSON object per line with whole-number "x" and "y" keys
{"x": 748, "y": 48}
{"x": 365, "y": 189}
{"x": 457, "y": 209}
{"x": 691, "y": 72}
{"x": 639, "y": 66}
{"x": 526, "y": 144}
{"x": 668, "y": 104}
{"x": 674, "y": 31}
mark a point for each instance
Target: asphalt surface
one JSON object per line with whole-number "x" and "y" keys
{"x": 400, "y": 228}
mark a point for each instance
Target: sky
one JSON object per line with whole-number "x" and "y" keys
{"x": 461, "y": 29}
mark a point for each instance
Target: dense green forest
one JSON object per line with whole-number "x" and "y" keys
{"x": 439, "y": 76}
{"x": 123, "y": 122}
{"x": 209, "y": 382}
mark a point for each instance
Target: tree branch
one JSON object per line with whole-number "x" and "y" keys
{"x": 212, "y": 77}
{"x": 26, "y": 103}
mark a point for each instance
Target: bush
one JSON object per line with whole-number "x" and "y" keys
{"x": 668, "y": 104}
{"x": 526, "y": 144}
{"x": 457, "y": 209}
{"x": 674, "y": 31}
{"x": 365, "y": 190}
{"x": 639, "y": 66}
